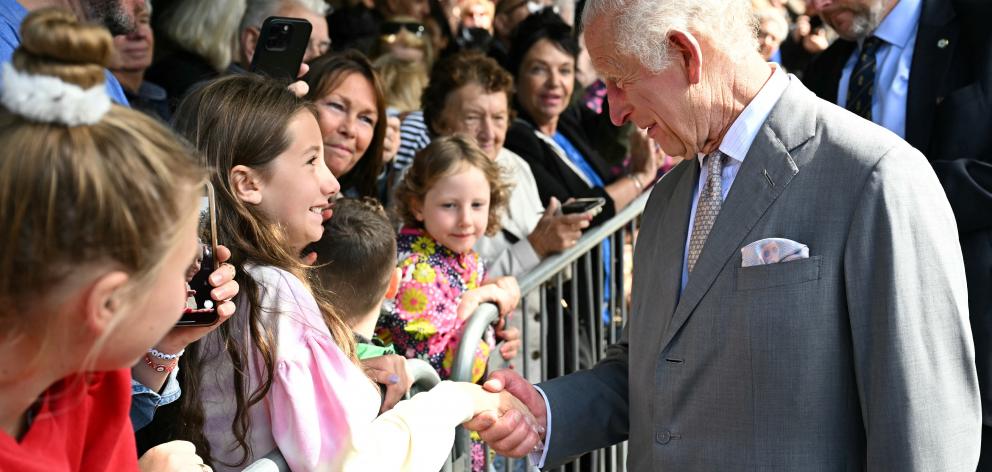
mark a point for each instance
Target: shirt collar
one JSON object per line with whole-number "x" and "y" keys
{"x": 899, "y": 25}
{"x": 744, "y": 130}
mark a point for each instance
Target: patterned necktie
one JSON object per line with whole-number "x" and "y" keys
{"x": 707, "y": 208}
{"x": 861, "y": 87}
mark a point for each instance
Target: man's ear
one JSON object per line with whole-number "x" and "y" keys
{"x": 248, "y": 39}
{"x": 394, "y": 284}
{"x": 246, "y": 184}
{"x": 687, "y": 51}
{"x": 102, "y": 301}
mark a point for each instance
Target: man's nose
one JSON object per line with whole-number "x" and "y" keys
{"x": 618, "y": 104}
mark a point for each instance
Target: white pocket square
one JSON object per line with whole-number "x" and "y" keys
{"x": 773, "y": 251}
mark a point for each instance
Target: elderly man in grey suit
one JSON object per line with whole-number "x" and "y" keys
{"x": 799, "y": 293}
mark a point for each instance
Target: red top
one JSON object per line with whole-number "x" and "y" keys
{"x": 80, "y": 426}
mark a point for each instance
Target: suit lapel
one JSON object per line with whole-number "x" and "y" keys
{"x": 673, "y": 226}
{"x": 928, "y": 70}
{"x": 752, "y": 193}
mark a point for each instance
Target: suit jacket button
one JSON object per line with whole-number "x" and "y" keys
{"x": 663, "y": 437}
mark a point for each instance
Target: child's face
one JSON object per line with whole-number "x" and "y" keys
{"x": 455, "y": 210}
{"x": 297, "y": 184}
{"x": 156, "y": 307}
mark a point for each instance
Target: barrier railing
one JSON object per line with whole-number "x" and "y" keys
{"x": 579, "y": 269}
{"x": 570, "y": 285}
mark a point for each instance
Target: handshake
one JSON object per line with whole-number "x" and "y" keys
{"x": 510, "y": 415}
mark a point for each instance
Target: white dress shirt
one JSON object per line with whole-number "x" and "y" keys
{"x": 893, "y": 60}
{"x": 735, "y": 144}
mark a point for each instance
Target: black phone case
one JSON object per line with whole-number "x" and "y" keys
{"x": 201, "y": 284}
{"x": 570, "y": 208}
{"x": 281, "y": 46}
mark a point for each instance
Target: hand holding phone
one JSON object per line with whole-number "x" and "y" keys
{"x": 583, "y": 205}
{"x": 281, "y": 46}
{"x": 201, "y": 310}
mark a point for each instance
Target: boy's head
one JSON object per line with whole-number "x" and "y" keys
{"x": 356, "y": 257}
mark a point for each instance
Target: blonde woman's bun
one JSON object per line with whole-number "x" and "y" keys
{"x": 55, "y": 43}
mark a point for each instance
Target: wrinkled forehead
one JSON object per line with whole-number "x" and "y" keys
{"x": 603, "y": 51}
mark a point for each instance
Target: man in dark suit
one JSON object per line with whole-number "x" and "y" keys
{"x": 799, "y": 298}
{"x": 932, "y": 85}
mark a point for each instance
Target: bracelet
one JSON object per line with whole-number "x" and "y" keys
{"x": 637, "y": 182}
{"x": 158, "y": 367}
{"x": 161, "y": 355}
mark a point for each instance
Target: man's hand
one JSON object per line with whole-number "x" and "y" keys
{"x": 388, "y": 370}
{"x": 556, "y": 232}
{"x": 510, "y": 435}
{"x": 174, "y": 456}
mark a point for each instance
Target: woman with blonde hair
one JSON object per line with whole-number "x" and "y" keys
{"x": 98, "y": 220}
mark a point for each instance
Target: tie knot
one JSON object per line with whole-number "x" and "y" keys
{"x": 714, "y": 162}
{"x": 871, "y": 45}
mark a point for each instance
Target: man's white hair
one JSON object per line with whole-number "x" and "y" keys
{"x": 258, "y": 10}
{"x": 641, "y": 27}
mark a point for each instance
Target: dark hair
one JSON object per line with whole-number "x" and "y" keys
{"x": 443, "y": 157}
{"x": 243, "y": 120}
{"x": 457, "y": 71}
{"x": 356, "y": 256}
{"x": 545, "y": 24}
{"x": 327, "y": 73}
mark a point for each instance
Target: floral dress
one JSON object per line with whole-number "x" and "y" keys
{"x": 423, "y": 322}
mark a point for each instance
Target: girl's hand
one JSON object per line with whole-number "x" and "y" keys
{"x": 511, "y": 341}
{"x": 174, "y": 456}
{"x": 225, "y": 288}
{"x": 508, "y": 296}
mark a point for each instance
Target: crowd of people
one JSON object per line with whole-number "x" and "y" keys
{"x": 811, "y": 290}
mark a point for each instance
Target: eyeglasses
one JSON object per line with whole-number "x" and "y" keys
{"x": 394, "y": 27}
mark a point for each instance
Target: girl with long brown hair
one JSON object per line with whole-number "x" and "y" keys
{"x": 282, "y": 374}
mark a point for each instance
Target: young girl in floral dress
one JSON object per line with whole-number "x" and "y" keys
{"x": 451, "y": 196}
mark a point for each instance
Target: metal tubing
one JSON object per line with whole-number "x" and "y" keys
{"x": 554, "y": 264}
{"x": 573, "y": 319}
{"x": 559, "y": 322}
{"x": 475, "y": 327}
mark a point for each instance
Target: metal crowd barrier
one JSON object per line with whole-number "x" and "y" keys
{"x": 577, "y": 266}
{"x": 559, "y": 277}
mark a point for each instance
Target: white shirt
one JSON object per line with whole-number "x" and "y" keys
{"x": 893, "y": 60}
{"x": 736, "y": 143}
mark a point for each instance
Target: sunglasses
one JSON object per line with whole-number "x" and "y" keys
{"x": 394, "y": 27}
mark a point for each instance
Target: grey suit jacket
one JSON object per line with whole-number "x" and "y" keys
{"x": 858, "y": 358}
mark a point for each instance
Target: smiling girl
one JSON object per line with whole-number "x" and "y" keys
{"x": 282, "y": 374}
{"x": 451, "y": 196}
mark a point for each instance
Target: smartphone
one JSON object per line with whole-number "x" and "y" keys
{"x": 582, "y": 205}
{"x": 281, "y": 46}
{"x": 201, "y": 310}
